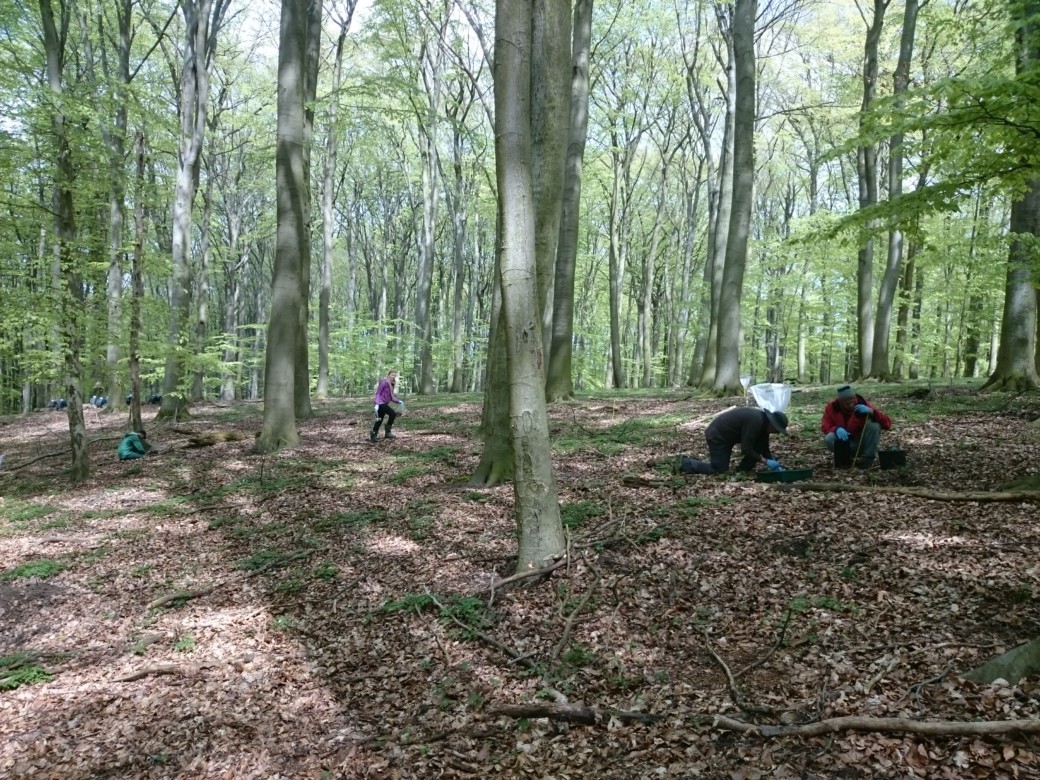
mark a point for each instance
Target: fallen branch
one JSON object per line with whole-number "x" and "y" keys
{"x": 187, "y": 595}
{"x": 931, "y": 495}
{"x": 933, "y": 728}
{"x": 597, "y": 716}
{"x": 166, "y": 668}
{"x": 573, "y": 713}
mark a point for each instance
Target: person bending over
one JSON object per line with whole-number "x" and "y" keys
{"x": 746, "y": 427}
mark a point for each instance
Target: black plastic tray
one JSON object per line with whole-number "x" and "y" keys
{"x": 791, "y": 475}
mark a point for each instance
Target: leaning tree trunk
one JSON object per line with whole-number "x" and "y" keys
{"x": 537, "y": 509}
{"x": 559, "y": 382}
{"x": 292, "y": 247}
{"x": 727, "y": 373}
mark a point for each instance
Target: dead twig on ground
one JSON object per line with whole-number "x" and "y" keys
{"x": 186, "y": 595}
{"x": 573, "y": 713}
{"x": 731, "y": 681}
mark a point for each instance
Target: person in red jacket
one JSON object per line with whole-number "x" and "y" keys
{"x": 850, "y": 417}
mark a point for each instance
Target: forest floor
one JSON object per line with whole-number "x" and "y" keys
{"x": 327, "y": 611}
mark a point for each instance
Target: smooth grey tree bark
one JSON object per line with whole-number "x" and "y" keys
{"x": 71, "y": 285}
{"x": 328, "y": 206}
{"x": 550, "y": 125}
{"x": 537, "y": 510}
{"x": 293, "y": 237}
{"x": 202, "y": 23}
{"x": 559, "y": 381}
{"x": 727, "y": 372}
{"x": 866, "y": 177}
{"x": 1015, "y": 367}
{"x": 879, "y": 364}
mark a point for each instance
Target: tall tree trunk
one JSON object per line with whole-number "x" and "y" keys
{"x": 431, "y": 71}
{"x": 539, "y": 530}
{"x": 328, "y": 210}
{"x": 116, "y": 143}
{"x": 312, "y": 60}
{"x": 71, "y": 285}
{"x": 550, "y": 124}
{"x": 879, "y": 365}
{"x": 1016, "y": 357}
{"x": 293, "y": 242}
{"x": 137, "y": 286}
{"x": 202, "y": 21}
{"x": 727, "y": 374}
{"x": 559, "y": 383}
{"x": 866, "y": 170}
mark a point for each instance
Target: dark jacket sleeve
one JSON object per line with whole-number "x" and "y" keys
{"x": 754, "y": 441}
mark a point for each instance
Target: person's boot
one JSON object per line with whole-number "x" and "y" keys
{"x": 375, "y": 432}
{"x": 389, "y": 425}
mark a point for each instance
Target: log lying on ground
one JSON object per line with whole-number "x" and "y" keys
{"x": 926, "y": 493}
{"x": 597, "y": 716}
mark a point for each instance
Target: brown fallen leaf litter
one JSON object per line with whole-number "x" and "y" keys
{"x": 327, "y": 612}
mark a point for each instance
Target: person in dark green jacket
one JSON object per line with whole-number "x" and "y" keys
{"x": 134, "y": 445}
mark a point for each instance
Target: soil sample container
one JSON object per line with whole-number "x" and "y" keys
{"x": 842, "y": 454}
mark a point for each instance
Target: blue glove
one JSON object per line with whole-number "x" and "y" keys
{"x": 862, "y": 409}
{"x": 774, "y": 465}
{"x": 842, "y": 434}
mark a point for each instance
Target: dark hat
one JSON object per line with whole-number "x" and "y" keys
{"x": 846, "y": 391}
{"x": 777, "y": 419}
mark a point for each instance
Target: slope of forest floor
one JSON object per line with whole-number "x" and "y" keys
{"x": 328, "y": 611}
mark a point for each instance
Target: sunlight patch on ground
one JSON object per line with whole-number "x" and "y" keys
{"x": 922, "y": 540}
{"x": 393, "y": 545}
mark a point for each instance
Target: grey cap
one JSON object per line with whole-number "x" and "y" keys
{"x": 846, "y": 391}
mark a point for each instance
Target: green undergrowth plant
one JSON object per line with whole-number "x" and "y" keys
{"x": 21, "y": 669}
{"x": 341, "y": 521}
{"x": 22, "y": 512}
{"x": 471, "y": 612}
{"x": 406, "y": 474}
{"x": 573, "y": 514}
{"x": 446, "y": 454}
{"x": 42, "y": 569}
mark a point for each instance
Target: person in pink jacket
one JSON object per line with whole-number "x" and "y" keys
{"x": 383, "y": 398}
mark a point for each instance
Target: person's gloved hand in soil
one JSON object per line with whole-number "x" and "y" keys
{"x": 842, "y": 434}
{"x": 774, "y": 465}
{"x": 862, "y": 409}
